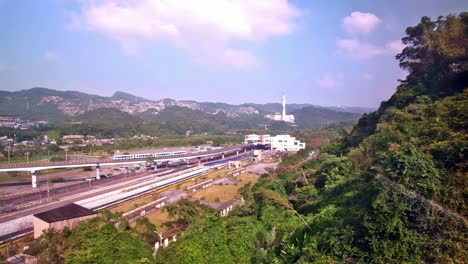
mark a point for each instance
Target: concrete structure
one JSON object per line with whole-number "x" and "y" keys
{"x": 235, "y": 164}
{"x": 227, "y": 207}
{"x": 235, "y": 173}
{"x": 70, "y": 139}
{"x": 59, "y": 218}
{"x": 257, "y": 155}
{"x": 279, "y": 142}
{"x": 257, "y": 139}
{"x": 9, "y": 121}
{"x": 148, "y": 208}
{"x": 22, "y": 258}
{"x": 286, "y": 143}
{"x": 283, "y": 116}
{"x": 166, "y": 237}
{"x": 200, "y": 186}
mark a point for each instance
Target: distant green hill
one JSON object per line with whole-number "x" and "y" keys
{"x": 314, "y": 117}
{"x": 129, "y": 97}
{"x": 182, "y": 119}
{"x": 62, "y": 107}
{"x": 105, "y": 122}
{"x": 108, "y": 116}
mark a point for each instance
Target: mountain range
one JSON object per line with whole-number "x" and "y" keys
{"x": 71, "y": 106}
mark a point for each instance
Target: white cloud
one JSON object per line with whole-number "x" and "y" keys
{"x": 395, "y": 46}
{"x": 330, "y": 81}
{"x": 360, "y": 23}
{"x": 205, "y": 28}
{"x": 50, "y": 56}
{"x": 359, "y": 50}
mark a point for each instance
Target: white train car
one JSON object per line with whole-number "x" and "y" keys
{"x": 123, "y": 157}
{"x": 150, "y": 155}
{"x": 170, "y": 154}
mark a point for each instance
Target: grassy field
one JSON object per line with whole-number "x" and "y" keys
{"x": 224, "y": 193}
{"x": 245, "y": 178}
{"x": 157, "y": 218}
{"x": 217, "y": 174}
{"x": 217, "y": 193}
{"x": 32, "y": 158}
{"x": 13, "y": 176}
{"x": 186, "y": 184}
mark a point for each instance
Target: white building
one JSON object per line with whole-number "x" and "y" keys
{"x": 257, "y": 139}
{"x": 279, "y": 142}
{"x": 286, "y": 143}
{"x": 283, "y": 116}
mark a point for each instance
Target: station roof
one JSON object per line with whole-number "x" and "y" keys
{"x": 65, "y": 212}
{"x": 161, "y": 150}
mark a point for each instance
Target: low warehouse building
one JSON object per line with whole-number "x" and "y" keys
{"x": 66, "y": 216}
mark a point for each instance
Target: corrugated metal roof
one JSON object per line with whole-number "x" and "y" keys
{"x": 65, "y": 212}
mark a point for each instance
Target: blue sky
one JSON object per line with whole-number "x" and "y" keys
{"x": 235, "y": 51}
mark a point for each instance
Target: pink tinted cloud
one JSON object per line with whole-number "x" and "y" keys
{"x": 201, "y": 27}
{"x": 358, "y": 50}
{"x": 360, "y": 23}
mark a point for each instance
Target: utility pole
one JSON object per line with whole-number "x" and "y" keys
{"x": 27, "y": 157}
{"x": 66, "y": 154}
{"x": 47, "y": 182}
{"x": 9, "y": 146}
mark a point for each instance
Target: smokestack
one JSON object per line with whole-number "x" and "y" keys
{"x": 283, "y": 116}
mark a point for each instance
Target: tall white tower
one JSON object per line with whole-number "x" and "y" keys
{"x": 283, "y": 116}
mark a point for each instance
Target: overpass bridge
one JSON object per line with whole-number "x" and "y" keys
{"x": 34, "y": 167}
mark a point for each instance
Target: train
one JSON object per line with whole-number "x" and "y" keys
{"x": 150, "y": 155}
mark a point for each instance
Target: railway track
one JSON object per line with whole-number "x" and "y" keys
{"x": 163, "y": 185}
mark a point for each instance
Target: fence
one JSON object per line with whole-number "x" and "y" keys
{"x": 145, "y": 209}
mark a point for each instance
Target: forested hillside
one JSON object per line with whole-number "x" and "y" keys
{"x": 392, "y": 191}
{"x": 65, "y": 109}
{"x": 314, "y": 117}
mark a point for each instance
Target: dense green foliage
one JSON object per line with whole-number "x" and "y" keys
{"x": 107, "y": 239}
{"x": 314, "y": 117}
{"x": 393, "y": 190}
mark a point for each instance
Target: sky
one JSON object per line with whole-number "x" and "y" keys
{"x": 338, "y": 53}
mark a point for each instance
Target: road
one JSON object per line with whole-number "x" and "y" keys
{"x": 260, "y": 168}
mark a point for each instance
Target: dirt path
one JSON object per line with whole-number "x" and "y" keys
{"x": 260, "y": 168}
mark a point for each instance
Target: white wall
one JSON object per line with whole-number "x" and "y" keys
{"x": 286, "y": 143}
{"x": 279, "y": 142}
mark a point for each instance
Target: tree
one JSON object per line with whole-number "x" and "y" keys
{"x": 185, "y": 212}
{"x": 53, "y": 148}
